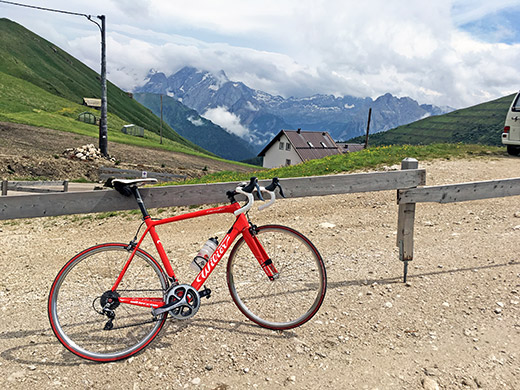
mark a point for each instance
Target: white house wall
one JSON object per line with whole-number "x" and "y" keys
{"x": 274, "y": 157}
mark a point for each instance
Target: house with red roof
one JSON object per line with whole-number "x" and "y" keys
{"x": 291, "y": 147}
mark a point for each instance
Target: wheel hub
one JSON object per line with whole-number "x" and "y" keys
{"x": 109, "y": 300}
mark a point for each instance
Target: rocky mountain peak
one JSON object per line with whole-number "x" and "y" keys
{"x": 264, "y": 115}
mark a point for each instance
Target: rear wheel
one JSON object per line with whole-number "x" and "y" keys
{"x": 86, "y": 315}
{"x": 513, "y": 150}
{"x": 294, "y": 295}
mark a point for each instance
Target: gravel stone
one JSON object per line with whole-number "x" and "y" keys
{"x": 347, "y": 345}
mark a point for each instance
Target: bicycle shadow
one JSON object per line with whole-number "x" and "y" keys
{"x": 47, "y": 350}
{"x": 29, "y": 353}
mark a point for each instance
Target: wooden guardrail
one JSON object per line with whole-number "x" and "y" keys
{"x": 106, "y": 173}
{"x": 13, "y": 207}
{"x": 406, "y": 182}
{"x": 407, "y": 199}
{"x": 34, "y": 186}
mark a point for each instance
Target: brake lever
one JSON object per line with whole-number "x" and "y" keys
{"x": 259, "y": 192}
{"x": 281, "y": 190}
{"x": 249, "y": 187}
{"x": 274, "y": 184}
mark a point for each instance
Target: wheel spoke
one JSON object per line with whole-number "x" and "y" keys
{"x": 76, "y": 298}
{"x": 294, "y": 296}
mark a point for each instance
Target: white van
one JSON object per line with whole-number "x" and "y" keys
{"x": 511, "y": 134}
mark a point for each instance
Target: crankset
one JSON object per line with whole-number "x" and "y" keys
{"x": 183, "y": 302}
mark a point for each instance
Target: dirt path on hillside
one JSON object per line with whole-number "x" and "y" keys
{"x": 455, "y": 325}
{"x": 27, "y": 151}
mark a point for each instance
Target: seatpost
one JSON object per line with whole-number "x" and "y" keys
{"x": 139, "y": 200}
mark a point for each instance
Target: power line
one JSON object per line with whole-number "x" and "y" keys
{"x": 45, "y": 9}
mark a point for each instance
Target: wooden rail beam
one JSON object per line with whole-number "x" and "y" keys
{"x": 31, "y": 206}
{"x": 34, "y": 186}
{"x": 461, "y": 192}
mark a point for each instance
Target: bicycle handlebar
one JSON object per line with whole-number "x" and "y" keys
{"x": 129, "y": 187}
{"x": 248, "y": 189}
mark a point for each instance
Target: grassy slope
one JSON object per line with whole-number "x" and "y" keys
{"x": 481, "y": 124}
{"x": 23, "y": 102}
{"x": 36, "y": 61}
{"x": 365, "y": 159}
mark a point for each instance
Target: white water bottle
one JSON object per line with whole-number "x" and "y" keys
{"x": 204, "y": 254}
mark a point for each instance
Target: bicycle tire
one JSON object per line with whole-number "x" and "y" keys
{"x": 75, "y": 311}
{"x": 292, "y": 298}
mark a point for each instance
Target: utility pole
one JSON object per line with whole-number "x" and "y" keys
{"x": 368, "y": 126}
{"x": 103, "y": 132}
{"x": 161, "y": 119}
{"x": 103, "y": 140}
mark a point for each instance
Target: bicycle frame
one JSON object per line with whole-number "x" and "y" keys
{"x": 240, "y": 226}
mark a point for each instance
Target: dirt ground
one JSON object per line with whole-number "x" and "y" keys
{"x": 454, "y": 325}
{"x": 27, "y": 151}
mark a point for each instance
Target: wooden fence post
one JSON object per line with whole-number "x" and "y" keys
{"x": 4, "y": 187}
{"x": 405, "y": 223}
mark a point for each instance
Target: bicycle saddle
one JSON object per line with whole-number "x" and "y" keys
{"x": 137, "y": 182}
{"x": 123, "y": 185}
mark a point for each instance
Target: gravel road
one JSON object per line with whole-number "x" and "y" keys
{"x": 455, "y": 325}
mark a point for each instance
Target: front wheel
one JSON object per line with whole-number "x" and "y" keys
{"x": 86, "y": 315}
{"x": 294, "y": 295}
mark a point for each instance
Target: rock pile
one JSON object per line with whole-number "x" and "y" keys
{"x": 86, "y": 153}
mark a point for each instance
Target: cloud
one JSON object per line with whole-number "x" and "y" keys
{"x": 432, "y": 51}
{"x": 416, "y": 50}
{"x": 134, "y": 9}
{"x": 251, "y": 107}
{"x": 196, "y": 121}
{"x": 227, "y": 120}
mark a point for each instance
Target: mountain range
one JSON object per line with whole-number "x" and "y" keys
{"x": 479, "y": 124}
{"x": 256, "y": 116}
{"x": 44, "y": 86}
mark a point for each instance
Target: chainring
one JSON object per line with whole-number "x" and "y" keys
{"x": 186, "y": 299}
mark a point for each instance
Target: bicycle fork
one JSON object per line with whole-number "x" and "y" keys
{"x": 261, "y": 255}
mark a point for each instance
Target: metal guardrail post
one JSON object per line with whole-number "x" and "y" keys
{"x": 405, "y": 223}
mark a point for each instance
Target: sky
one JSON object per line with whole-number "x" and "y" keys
{"x": 454, "y": 53}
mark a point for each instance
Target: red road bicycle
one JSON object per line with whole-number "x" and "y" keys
{"x": 111, "y": 300}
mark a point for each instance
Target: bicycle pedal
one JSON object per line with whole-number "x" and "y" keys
{"x": 205, "y": 293}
